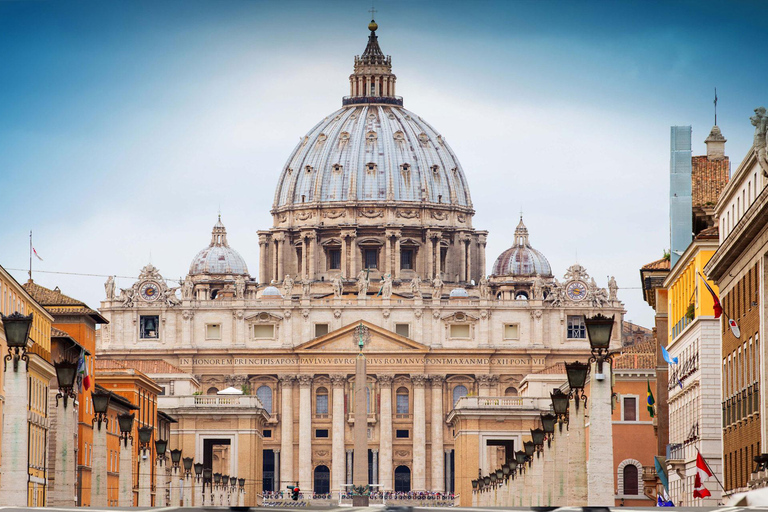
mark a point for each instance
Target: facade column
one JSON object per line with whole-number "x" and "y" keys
{"x": 125, "y": 490}
{"x": 287, "y": 475}
{"x": 279, "y": 250}
{"x": 463, "y": 269}
{"x": 577, "y": 457}
{"x": 304, "y": 256}
{"x": 263, "y": 258}
{"x": 278, "y": 470}
{"x": 160, "y": 483}
{"x": 349, "y": 466}
{"x": 448, "y": 473}
{"x": 312, "y": 255}
{"x": 337, "y": 449}
{"x": 430, "y": 255}
{"x": 63, "y": 493}
{"x": 305, "y": 433}
{"x": 482, "y": 239}
{"x": 344, "y": 255}
{"x": 398, "y": 258}
{"x": 375, "y": 472}
{"x": 16, "y": 435}
{"x": 273, "y": 267}
{"x": 438, "y": 259}
{"x": 388, "y": 253}
{"x": 352, "y": 257}
{"x": 385, "y": 433}
{"x": 438, "y": 419}
{"x": 469, "y": 262}
{"x": 98, "y": 465}
{"x": 600, "y": 476}
{"x": 419, "y": 474}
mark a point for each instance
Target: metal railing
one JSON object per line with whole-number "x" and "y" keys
{"x": 387, "y": 100}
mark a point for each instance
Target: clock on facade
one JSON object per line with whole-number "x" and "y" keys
{"x": 576, "y": 290}
{"x": 149, "y": 291}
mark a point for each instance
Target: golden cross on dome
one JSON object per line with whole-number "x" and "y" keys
{"x": 372, "y": 10}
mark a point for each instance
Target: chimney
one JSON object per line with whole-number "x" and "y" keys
{"x": 715, "y": 144}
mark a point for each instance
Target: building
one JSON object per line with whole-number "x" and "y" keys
{"x": 634, "y": 334}
{"x": 79, "y": 321}
{"x": 738, "y": 268}
{"x": 23, "y": 457}
{"x": 372, "y": 226}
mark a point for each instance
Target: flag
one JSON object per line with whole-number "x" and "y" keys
{"x": 80, "y": 371}
{"x": 87, "y": 378}
{"x": 661, "y": 472}
{"x": 650, "y": 399}
{"x": 669, "y": 359}
{"x": 734, "y": 328}
{"x": 718, "y": 309}
{"x": 36, "y": 255}
{"x": 702, "y": 474}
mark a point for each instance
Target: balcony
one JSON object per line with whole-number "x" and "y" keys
{"x": 358, "y": 100}
{"x": 372, "y": 417}
{"x": 208, "y": 402}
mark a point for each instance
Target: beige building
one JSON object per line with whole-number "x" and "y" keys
{"x": 372, "y": 224}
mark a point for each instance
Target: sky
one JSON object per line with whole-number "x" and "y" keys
{"x": 125, "y": 126}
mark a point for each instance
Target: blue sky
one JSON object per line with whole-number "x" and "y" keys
{"x": 125, "y": 126}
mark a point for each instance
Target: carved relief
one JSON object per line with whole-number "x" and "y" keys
{"x": 405, "y": 454}
{"x": 305, "y": 380}
{"x": 334, "y": 214}
{"x": 386, "y": 380}
{"x": 385, "y": 313}
{"x": 338, "y": 380}
{"x": 336, "y": 313}
{"x": 407, "y": 213}
{"x": 461, "y": 217}
{"x": 304, "y": 215}
{"x": 371, "y": 213}
{"x": 419, "y": 381}
{"x": 438, "y": 215}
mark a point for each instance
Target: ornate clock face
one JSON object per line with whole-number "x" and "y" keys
{"x": 576, "y": 290}
{"x": 149, "y": 291}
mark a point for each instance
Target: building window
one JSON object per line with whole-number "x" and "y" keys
{"x": 321, "y": 401}
{"x": 406, "y": 259}
{"x": 458, "y": 392}
{"x": 511, "y": 332}
{"x": 148, "y": 326}
{"x": 576, "y": 328}
{"x": 321, "y": 330}
{"x": 629, "y": 408}
{"x": 267, "y": 432}
{"x": 630, "y": 477}
{"x": 264, "y": 394}
{"x": 321, "y": 432}
{"x": 403, "y": 330}
{"x": 402, "y": 434}
{"x": 510, "y": 391}
{"x": 334, "y": 259}
{"x": 213, "y": 332}
{"x": 460, "y": 331}
{"x": 264, "y": 331}
{"x": 371, "y": 258}
{"x": 401, "y": 401}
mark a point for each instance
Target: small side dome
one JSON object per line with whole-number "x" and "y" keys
{"x": 458, "y": 293}
{"x": 218, "y": 258}
{"x": 271, "y": 291}
{"x": 521, "y": 259}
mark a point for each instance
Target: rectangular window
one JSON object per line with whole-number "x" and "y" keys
{"x": 511, "y": 331}
{"x": 263, "y": 331}
{"x": 576, "y": 328}
{"x": 402, "y": 404}
{"x": 334, "y": 259}
{"x": 321, "y": 432}
{"x": 321, "y": 330}
{"x": 321, "y": 404}
{"x": 371, "y": 257}
{"x": 402, "y": 434}
{"x": 460, "y": 331}
{"x": 148, "y": 327}
{"x": 406, "y": 259}
{"x": 403, "y": 330}
{"x": 267, "y": 432}
{"x": 213, "y": 332}
{"x": 630, "y": 408}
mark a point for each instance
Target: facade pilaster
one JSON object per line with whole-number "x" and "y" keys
{"x": 438, "y": 456}
{"x": 15, "y": 436}
{"x": 280, "y": 257}
{"x": 305, "y": 432}
{"x": 481, "y": 241}
{"x": 375, "y": 461}
{"x": 463, "y": 254}
{"x": 125, "y": 489}
{"x": 161, "y": 479}
{"x": 344, "y": 249}
{"x": 287, "y": 474}
{"x": 396, "y": 274}
{"x": 263, "y": 258}
{"x": 419, "y": 482}
{"x": 600, "y": 474}
{"x": 337, "y": 448}
{"x": 385, "y": 433}
{"x": 62, "y": 494}
{"x": 349, "y": 466}
{"x": 577, "y": 456}
{"x": 98, "y": 466}
{"x": 352, "y": 256}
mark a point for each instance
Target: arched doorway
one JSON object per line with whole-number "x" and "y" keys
{"x": 322, "y": 480}
{"x": 402, "y": 479}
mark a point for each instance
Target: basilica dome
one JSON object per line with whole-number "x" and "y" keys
{"x": 372, "y": 150}
{"x": 521, "y": 259}
{"x": 218, "y": 257}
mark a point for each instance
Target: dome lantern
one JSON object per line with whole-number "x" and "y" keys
{"x": 372, "y": 80}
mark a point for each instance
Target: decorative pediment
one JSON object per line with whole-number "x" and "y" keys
{"x": 343, "y": 340}
{"x": 264, "y": 317}
{"x": 460, "y": 316}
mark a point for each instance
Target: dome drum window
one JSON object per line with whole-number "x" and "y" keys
{"x": 371, "y": 167}
{"x": 337, "y": 168}
{"x": 371, "y": 137}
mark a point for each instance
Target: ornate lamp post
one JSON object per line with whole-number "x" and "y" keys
{"x": 577, "y": 378}
{"x": 145, "y": 437}
{"x": 475, "y": 484}
{"x": 189, "y": 483}
{"x": 520, "y": 458}
{"x": 529, "y": 448}
{"x": 548, "y": 425}
{"x": 125, "y": 421}
{"x": 188, "y": 462}
{"x": 100, "y": 401}
{"x": 66, "y": 371}
{"x": 207, "y": 479}
{"x": 16, "y": 329}
{"x": 560, "y": 406}
{"x": 175, "y": 458}
{"x": 198, "y": 471}
{"x": 538, "y": 435}
{"x": 599, "y": 330}
{"x": 125, "y": 492}
{"x": 161, "y": 476}
{"x": 160, "y": 446}
{"x": 487, "y": 480}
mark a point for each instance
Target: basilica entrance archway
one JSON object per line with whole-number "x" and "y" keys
{"x": 322, "y": 480}
{"x": 402, "y": 479}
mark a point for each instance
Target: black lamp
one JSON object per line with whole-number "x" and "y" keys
{"x": 145, "y": 437}
{"x": 538, "y": 436}
{"x": 520, "y": 459}
{"x": 475, "y": 483}
{"x": 207, "y": 474}
{"x": 125, "y": 421}
{"x": 487, "y": 480}
{"x": 175, "y": 457}
{"x": 224, "y": 481}
{"x": 499, "y": 474}
{"x": 161, "y": 445}
{"x": 100, "y": 401}
{"x": 529, "y": 447}
{"x": 241, "y": 483}
{"x": 217, "y": 479}
{"x": 577, "y": 378}
{"x": 505, "y": 470}
{"x": 233, "y": 483}
{"x": 548, "y": 424}
{"x": 16, "y": 329}
{"x": 198, "y": 470}
{"x": 599, "y": 329}
{"x": 188, "y": 461}
{"x": 493, "y": 478}
{"x": 559, "y": 404}
{"x": 66, "y": 371}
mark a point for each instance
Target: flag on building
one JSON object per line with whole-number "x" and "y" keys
{"x": 650, "y": 399}
{"x": 83, "y": 375}
{"x": 702, "y": 474}
{"x": 36, "y": 255}
{"x": 661, "y": 472}
{"x": 734, "y": 328}
{"x": 669, "y": 359}
{"x": 718, "y": 309}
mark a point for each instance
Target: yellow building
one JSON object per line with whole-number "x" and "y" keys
{"x": 40, "y": 371}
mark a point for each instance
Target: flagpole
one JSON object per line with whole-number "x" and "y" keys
{"x": 30, "y": 254}
{"x": 711, "y": 470}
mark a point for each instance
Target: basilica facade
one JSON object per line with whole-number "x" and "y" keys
{"x": 372, "y": 231}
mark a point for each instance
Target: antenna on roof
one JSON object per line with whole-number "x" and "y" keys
{"x": 715, "y": 106}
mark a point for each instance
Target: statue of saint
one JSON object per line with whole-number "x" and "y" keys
{"x": 126, "y": 295}
{"x": 538, "y": 287}
{"x": 416, "y": 286}
{"x": 386, "y": 286}
{"x": 170, "y": 297}
{"x": 187, "y": 288}
{"x": 338, "y": 286}
{"x": 240, "y": 287}
{"x": 306, "y": 287}
{"x": 109, "y": 287}
{"x": 613, "y": 289}
{"x": 760, "y": 122}
{"x": 362, "y": 283}
{"x": 484, "y": 289}
{"x": 437, "y": 288}
{"x": 288, "y": 286}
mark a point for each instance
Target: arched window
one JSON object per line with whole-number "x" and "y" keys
{"x": 402, "y": 401}
{"x": 264, "y": 394}
{"x": 630, "y": 474}
{"x": 510, "y": 391}
{"x": 321, "y": 401}
{"x": 458, "y": 392}
{"x": 212, "y": 391}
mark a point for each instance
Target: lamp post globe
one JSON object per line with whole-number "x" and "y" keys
{"x": 528, "y": 446}
{"x": 161, "y": 445}
{"x": 599, "y": 330}
{"x": 145, "y": 436}
{"x": 548, "y": 423}
{"x": 100, "y": 400}
{"x": 16, "y": 328}
{"x": 188, "y": 461}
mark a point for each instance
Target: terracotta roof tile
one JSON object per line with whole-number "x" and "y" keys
{"x": 58, "y": 333}
{"x": 709, "y": 233}
{"x": 56, "y": 303}
{"x": 662, "y": 264}
{"x": 708, "y": 179}
{"x": 641, "y": 356}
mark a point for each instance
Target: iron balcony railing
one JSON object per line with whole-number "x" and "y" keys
{"x": 386, "y": 100}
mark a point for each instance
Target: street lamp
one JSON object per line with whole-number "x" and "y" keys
{"x": 520, "y": 459}
{"x": 198, "y": 471}
{"x": 560, "y": 405}
{"x": 577, "y": 378}
{"x": 175, "y": 457}
{"x": 475, "y": 484}
{"x": 100, "y": 405}
{"x": 125, "y": 421}
{"x": 512, "y": 466}
{"x": 538, "y": 436}
{"x": 145, "y": 437}
{"x": 241, "y": 483}
{"x": 66, "y": 371}
{"x": 548, "y": 424}
{"x": 16, "y": 328}
{"x": 487, "y": 480}
{"x": 188, "y": 466}
{"x": 499, "y": 474}
{"x": 161, "y": 445}
{"x": 233, "y": 482}
{"x": 599, "y": 329}
{"x": 505, "y": 470}
{"x": 217, "y": 479}
{"x": 529, "y": 447}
